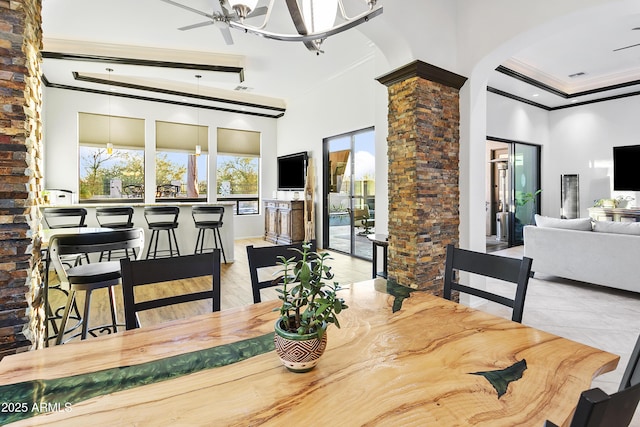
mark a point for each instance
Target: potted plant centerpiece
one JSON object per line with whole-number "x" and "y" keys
{"x": 309, "y": 304}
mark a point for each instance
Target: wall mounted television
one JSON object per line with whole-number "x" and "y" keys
{"x": 626, "y": 165}
{"x": 292, "y": 171}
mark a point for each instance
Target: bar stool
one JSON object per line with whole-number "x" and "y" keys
{"x": 57, "y": 218}
{"x": 208, "y": 218}
{"x": 89, "y": 277}
{"x": 119, "y": 217}
{"x": 162, "y": 218}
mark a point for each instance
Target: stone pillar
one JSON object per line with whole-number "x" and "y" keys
{"x": 21, "y": 317}
{"x": 423, "y": 149}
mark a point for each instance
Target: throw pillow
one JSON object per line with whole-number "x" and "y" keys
{"x": 617, "y": 227}
{"x": 581, "y": 224}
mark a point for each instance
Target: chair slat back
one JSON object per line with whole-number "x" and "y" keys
{"x": 268, "y": 256}
{"x": 87, "y": 243}
{"x": 75, "y": 217}
{"x": 503, "y": 268}
{"x": 153, "y": 214}
{"x": 207, "y": 214}
{"x": 150, "y": 271}
{"x": 124, "y": 214}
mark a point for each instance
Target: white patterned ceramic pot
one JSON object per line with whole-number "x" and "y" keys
{"x": 298, "y": 353}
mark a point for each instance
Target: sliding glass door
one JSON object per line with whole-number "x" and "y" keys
{"x": 349, "y": 177}
{"x": 525, "y": 160}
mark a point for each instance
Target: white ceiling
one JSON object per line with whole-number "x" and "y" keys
{"x": 277, "y": 71}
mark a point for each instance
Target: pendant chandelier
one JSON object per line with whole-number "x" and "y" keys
{"x": 314, "y": 20}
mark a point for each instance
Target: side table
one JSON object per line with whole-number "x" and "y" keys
{"x": 379, "y": 240}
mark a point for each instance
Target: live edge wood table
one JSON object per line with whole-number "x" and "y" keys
{"x": 401, "y": 358}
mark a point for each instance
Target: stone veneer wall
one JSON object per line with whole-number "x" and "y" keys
{"x": 423, "y": 150}
{"x": 21, "y": 320}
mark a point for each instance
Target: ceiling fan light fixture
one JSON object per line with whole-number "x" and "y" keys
{"x": 243, "y": 7}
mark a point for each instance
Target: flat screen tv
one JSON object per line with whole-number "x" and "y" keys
{"x": 626, "y": 168}
{"x": 292, "y": 171}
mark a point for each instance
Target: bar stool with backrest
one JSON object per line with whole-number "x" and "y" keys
{"x": 115, "y": 217}
{"x": 60, "y": 218}
{"x": 89, "y": 277}
{"x": 208, "y": 218}
{"x": 162, "y": 218}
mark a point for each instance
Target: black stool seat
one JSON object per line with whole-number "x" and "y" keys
{"x": 208, "y": 218}
{"x": 101, "y": 272}
{"x": 162, "y": 218}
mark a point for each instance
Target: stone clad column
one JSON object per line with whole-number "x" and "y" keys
{"x": 423, "y": 150}
{"x": 21, "y": 310}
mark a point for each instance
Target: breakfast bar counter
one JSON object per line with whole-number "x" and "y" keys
{"x": 186, "y": 232}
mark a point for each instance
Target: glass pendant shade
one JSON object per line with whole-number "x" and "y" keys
{"x": 109, "y": 148}
{"x": 319, "y": 15}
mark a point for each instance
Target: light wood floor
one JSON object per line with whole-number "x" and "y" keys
{"x": 235, "y": 289}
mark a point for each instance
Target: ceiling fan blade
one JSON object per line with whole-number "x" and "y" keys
{"x": 198, "y": 25}
{"x": 226, "y": 34}
{"x": 190, "y": 9}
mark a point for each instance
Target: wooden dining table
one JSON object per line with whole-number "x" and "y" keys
{"x": 401, "y": 358}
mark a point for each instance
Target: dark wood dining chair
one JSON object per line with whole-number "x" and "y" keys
{"x": 139, "y": 273}
{"x": 267, "y": 257}
{"x": 89, "y": 277}
{"x": 631, "y": 376}
{"x": 507, "y": 269}
{"x": 599, "y": 409}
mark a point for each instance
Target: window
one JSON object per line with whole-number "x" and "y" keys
{"x": 238, "y": 169}
{"x": 181, "y": 161}
{"x": 110, "y": 173}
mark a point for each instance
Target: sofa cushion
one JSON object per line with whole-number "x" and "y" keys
{"x": 581, "y": 224}
{"x": 617, "y": 227}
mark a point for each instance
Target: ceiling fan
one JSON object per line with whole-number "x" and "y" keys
{"x": 220, "y": 17}
{"x": 314, "y": 20}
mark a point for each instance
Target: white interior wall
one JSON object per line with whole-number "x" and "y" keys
{"x": 60, "y": 139}
{"x": 347, "y": 103}
{"x": 577, "y": 140}
{"x": 583, "y": 138}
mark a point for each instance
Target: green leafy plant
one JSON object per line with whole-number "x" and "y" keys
{"x": 528, "y": 197}
{"x": 309, "y": 301}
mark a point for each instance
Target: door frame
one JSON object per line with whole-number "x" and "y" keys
{"x": 326, "y": 184}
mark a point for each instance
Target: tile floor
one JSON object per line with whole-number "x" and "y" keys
{"x": 600, "y": 317}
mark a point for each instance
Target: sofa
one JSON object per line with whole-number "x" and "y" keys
{"x": 600, "y": 252}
